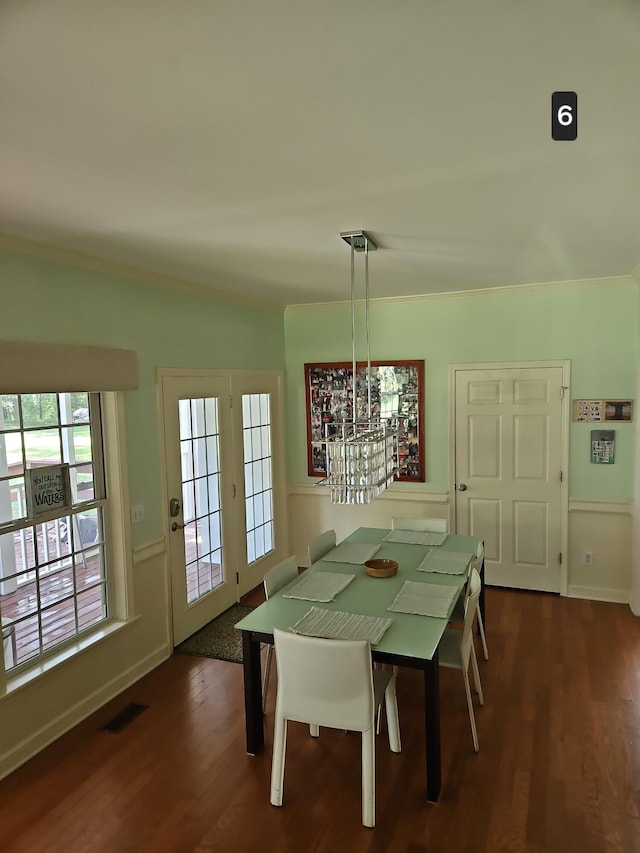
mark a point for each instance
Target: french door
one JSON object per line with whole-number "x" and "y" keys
{"x": 225, "y": 488}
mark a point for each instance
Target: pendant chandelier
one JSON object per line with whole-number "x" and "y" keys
{"x": 361, "y": 455}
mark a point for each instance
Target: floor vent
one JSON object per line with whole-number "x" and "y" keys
{"x": 122, "y": 719}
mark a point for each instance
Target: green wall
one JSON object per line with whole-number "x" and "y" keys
{"x": 51, "y": 302}
{"x": 594, "y": 325}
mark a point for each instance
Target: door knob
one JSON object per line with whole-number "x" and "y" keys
{"x": 462, "y": 487}
{"x": 175, "y": 526}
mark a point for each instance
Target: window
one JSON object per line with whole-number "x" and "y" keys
{"x": 53, "y": 572}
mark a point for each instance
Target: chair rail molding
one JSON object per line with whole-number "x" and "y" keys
{"x": 595, "y": 505}
{"x": 156, "y": 548}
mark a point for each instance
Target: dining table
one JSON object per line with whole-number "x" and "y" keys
{"x": 411, "y": 638}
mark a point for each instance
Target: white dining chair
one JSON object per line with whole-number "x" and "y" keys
{"x": 458, "y": 611}
{"x": 331, "y": 683}
{"x": 321, "y": 545}
{"x": 456, "y": 650}
{"x": 425, "y": 525}
{"x": 276, "y": 578}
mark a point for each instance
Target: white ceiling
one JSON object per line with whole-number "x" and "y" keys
{"x": 228, "y": 143}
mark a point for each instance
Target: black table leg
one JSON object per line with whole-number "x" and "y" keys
{"x": 252, "y": 693}
{"x": 432, "y": 726}
{"x": 481, "y": 599}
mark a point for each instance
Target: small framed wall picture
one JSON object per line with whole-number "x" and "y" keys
{"x": 48, "y": 488}
{"x": 598, "y": 411}
{"x": 603, "y": 446}
{"x": 618, "y": 410}
{"x": 397, "y": 390}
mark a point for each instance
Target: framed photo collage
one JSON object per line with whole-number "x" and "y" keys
{"x": 397, "y": 389}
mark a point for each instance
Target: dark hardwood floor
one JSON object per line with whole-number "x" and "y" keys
{"x": 558, "y": 768}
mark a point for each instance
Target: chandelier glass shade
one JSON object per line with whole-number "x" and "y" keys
{"x": 361, "y": 454}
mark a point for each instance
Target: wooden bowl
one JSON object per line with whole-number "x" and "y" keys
{"x": 381, "y": 568}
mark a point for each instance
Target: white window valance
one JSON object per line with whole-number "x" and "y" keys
{"x": 36, "y": 368}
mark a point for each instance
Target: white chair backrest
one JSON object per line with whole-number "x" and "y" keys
{"x": 280, "y": 575}
{"x": 475, "y": 563}
{"x": 427, "y": 525}
{"x": 325, "y": 682}
{"x": 321, "y": 545}
{"x": 470, "y": 606}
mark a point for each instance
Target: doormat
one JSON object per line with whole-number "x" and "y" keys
{"x": 218, "y": 639}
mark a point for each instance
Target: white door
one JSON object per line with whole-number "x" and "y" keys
{"x": 508, "y": 471}
{"x": 225, "y": 489}
{"x": 197, "y": 422}
{"x": 260, "y": 478}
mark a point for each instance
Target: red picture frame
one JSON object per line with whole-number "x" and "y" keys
{"x": 328, "y": 391}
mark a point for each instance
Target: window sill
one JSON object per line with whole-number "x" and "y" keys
{"x": 23, "y": 679}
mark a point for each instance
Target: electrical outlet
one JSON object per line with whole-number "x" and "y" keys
{"x": 587, "y": 558}
{"x": 137, "y": 513}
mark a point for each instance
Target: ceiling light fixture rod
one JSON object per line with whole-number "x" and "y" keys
{"x": 353, "y": 334}
{"x": 361, "y": 457}
{"x": 366, "y": 308}
{"x": 360, "y": 241}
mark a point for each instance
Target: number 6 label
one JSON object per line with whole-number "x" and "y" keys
{"x": 564, "y": 115}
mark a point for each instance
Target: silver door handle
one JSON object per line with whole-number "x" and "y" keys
{"x": 175, "y": 526}
{"x": 462, "y": 487}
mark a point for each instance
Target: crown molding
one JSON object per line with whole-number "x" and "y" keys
{"x": 93, "y": 264}
{"x": 464, "y": 294}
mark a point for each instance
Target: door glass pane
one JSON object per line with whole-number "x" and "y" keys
{"x": 268, "y": 536}
{"x": 214, "y": 493}
{"x": 202, "y": 503}
{"x": 200, "y": 454}
{"x": 251, "y": 551}
{"x": 249, "y": 514}
{"x": 256, "y": 429}
{"x": 185, "y": 418}
{"x": 197, "y": 417}
{"x": 188, "y": 501}
{"x": 215, "y": 533}
{"x": 266, "y": 441}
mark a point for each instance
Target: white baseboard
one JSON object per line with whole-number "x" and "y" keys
{"x": 55, "y": 728}
{"x": 594, "y": 593}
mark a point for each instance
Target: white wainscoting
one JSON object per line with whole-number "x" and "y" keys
{"x": 311, "y": 512}
{"x": 37, "y": 711}
{"x": 604, "y": 528}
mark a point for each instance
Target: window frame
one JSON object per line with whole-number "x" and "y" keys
{"x": 110, "y": 466}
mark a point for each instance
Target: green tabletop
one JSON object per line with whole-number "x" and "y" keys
{"x": 410, "y": 636}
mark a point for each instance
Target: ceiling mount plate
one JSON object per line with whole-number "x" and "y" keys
{"x": 358, "y": 240}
